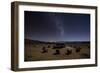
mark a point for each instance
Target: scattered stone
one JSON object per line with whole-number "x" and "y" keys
{"x": 44, "y": 50}
{"x": 57, "y": 52}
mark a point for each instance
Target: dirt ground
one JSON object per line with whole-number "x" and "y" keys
{"x": 45, "y": 51}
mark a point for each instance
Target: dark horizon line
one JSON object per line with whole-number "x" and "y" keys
{"x": 56, "y": 41}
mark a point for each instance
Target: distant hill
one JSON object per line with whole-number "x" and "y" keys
{"x": 36, "y": 41}
{"x": 67, "y": 42}
{"x": 32, "y": 41}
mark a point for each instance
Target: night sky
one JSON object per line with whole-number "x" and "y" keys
{"x": 51, "y": 27}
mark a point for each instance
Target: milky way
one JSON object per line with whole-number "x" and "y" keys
{"x": 58, "y": 23}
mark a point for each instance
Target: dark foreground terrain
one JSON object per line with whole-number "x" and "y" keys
{"x": 38, "y": 50}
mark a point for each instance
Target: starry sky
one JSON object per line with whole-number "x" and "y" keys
{"x": 54, "y": 26}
